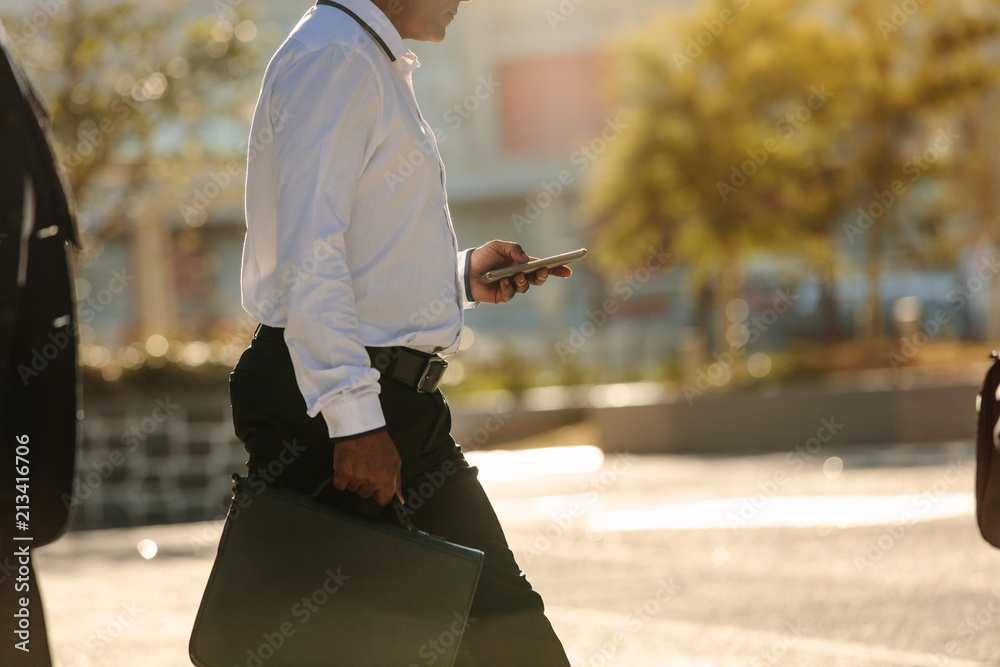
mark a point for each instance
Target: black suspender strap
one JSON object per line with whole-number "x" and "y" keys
{"x": 368, "y": 28}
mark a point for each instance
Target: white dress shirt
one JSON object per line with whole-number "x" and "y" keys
{"x": 349, "y": 241}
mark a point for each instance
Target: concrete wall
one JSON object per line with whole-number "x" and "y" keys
{"x": 167, "y": 457}
{"x": 781, "y": 420}
{"x": 149, "y": 459}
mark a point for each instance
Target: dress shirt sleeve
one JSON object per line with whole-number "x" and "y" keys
{"x": 332, "y": 100}
{"x": 465, "y": 278}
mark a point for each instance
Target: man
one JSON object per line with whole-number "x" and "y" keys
{"x": 355, "y": 275}
{"x": 38, "y": 399}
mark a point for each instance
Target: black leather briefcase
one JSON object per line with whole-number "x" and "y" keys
{"x": 299, "y": 584}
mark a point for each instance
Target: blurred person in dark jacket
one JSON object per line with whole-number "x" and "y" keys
{"x": 38, "y": 359}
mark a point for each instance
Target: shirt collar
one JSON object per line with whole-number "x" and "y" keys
{"x": 381, "y": 24}
{"x": 408, "y": 62}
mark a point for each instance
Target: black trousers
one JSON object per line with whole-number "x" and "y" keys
{"x": 507, "y": 623}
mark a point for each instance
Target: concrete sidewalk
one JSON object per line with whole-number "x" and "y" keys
{"x": 641, "y": 563}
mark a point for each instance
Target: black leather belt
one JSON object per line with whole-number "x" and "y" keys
{"x": 418, "y": 370}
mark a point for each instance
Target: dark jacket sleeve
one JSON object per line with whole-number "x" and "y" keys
{"x": 38, "y": 344}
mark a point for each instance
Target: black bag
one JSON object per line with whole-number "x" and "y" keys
{"x": 299, "y": 584}
{"x": 988, "y": 456}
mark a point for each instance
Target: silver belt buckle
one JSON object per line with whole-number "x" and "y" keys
{"x": 431, "y": 376}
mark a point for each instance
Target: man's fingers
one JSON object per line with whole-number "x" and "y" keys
{"x": 382, "y": 496}
{"x": 385, "y": 491}
{"x": 508, "y": 249}
{"x": 561, "y": 271}
{"x": 506, "y": 291}
{"x": 515, "y": 251}
{"x": 368, "y": 466}
{"x": 521, "y": 283}
{"x": 339, "y": 482}
{"x": 538, "y": 277}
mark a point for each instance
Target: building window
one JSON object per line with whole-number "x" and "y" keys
{"x": 552, "y": 104}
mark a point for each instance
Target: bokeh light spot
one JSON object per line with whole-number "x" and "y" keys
{"x": 147, "y": 549}
{"x": 156, "y": 345}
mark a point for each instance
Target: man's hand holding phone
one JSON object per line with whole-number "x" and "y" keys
{"x": 499, "y": 255}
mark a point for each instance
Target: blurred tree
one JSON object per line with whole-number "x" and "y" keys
{"x": 131, "y": 85}
{"x": 766, "y": 122}
{"x": 924, "y": 65}
{"x": 142, "y": 99}
{"x": 976, "y": 177}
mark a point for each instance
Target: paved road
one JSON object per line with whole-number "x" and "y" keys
{"x": 826, "y": 558}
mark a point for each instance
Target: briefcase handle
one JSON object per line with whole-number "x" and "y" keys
{"x": 404, "y": 517}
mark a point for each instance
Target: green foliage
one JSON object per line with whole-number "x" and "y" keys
{"x": 138, "y": 89}
{"x": 761, "y": 125}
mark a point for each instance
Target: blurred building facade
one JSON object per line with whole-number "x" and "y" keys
{"x": 523, "y": 102}
{"x": 522, "y": 98}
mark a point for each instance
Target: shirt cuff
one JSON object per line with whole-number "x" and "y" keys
{"x": 465, "y": 278}
{"x": 357, "y": 435}
{"x": 353, "y": 415}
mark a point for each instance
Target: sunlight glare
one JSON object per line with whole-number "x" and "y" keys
{"x": 510, "y": 465}
{"x": 787, "y": 512}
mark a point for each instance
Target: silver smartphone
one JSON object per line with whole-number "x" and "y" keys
{"x": 546, "y": 263}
